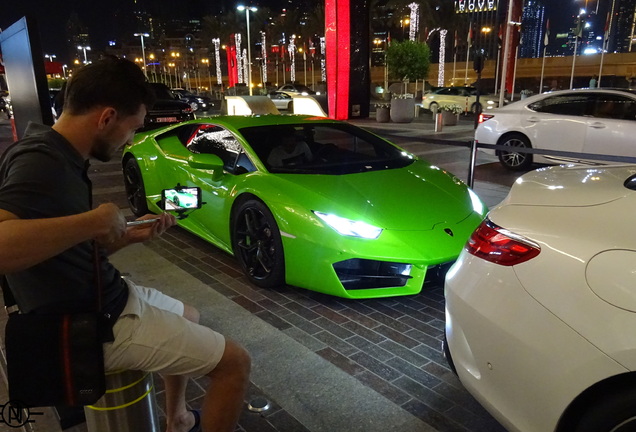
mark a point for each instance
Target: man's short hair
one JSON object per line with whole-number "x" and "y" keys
{"x": 111, "y": 81}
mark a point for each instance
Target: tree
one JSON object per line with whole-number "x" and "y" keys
{"x": 408, "y": 60}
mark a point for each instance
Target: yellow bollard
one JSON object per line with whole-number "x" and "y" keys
{"x": 129, "y": 404}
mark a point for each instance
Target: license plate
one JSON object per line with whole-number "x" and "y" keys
{"x": 166, "y": 119}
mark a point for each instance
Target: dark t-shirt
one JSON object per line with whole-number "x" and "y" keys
{"x": 43, "y": 176}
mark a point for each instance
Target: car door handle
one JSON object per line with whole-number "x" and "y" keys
{"x": 598, "y": 125}
{"x": 533, "y": 119}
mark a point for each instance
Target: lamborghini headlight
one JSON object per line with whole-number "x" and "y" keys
{"x": 350, "y": 227}
{"x": 478, "y": 206}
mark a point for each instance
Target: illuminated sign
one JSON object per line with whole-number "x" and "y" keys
{"x": 468, "y": 6}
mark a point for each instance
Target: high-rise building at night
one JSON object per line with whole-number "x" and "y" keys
{"x": 623, "y": 26}
{"x": 532, "y": 29}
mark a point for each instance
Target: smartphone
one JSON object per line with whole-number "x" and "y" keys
{"x": 181, "y": 198}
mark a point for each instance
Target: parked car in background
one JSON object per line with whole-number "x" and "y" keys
{"x": 197, "y": 103}
{"x": 350, "y": 214}
{"x": 465, "y": 97}
{"x": 297, "y": 88}
{"x": 283, "y": 99}
{"x": 596, "y": 121}
{"x": 541, "y": 304}
{"x": 167, "y": 109}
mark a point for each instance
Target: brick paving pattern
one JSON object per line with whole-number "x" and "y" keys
{"x": 391, "y": 345}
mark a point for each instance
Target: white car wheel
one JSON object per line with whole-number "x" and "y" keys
{"x": 513, "y": 160}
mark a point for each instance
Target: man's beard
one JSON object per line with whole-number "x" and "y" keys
{"x": 102, "y": 150}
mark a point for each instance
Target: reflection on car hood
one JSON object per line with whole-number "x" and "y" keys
{"x": 416, "y": 197}
{"x": 571, "y": 186}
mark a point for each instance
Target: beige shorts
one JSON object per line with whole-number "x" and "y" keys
{"x": 152, "y": 335}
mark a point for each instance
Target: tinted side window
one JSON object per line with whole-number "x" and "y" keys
{"x": 215, "y": 140}
{"x": 573, "y": 105}
{"x": 615, "y": 107}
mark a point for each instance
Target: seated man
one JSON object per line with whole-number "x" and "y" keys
{"x": 290, "y": 152}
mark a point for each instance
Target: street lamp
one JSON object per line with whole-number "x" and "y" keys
{"x": 143, "y": 50}
{"x": 170, "y": 75}
{"x": 50, "y": 57}
{"x": 403, "y": 23}
{"x": 206, "y": 62}
{"x": 247, "y": 10}
{"x": 175, "y": 63}
{"x": 84, "y": 48}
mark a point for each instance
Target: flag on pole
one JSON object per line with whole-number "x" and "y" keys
{"x": 500, "y": 36}
{"x": 546, "y": 39}
{"x": 607, "y": 27}
{"x": 456, "y": 42}
{"x": 470, "y": 35}
{"x": 579, "y": 28}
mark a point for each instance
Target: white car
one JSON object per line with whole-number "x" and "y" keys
{"x": 297, "y": 88}
{"x": 592, "y": 121}
{"x": 541, "y": 304}
{"x": 283, "y": 100}
{"x": 465, "y": 97}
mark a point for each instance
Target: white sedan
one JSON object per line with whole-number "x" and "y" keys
{"x": 588, "y": 121}
{"x": 283, "y": 99}
{"x": 465, "y": 97}
{"x": 541, "y": 304}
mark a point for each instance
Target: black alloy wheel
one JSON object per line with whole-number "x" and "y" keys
{"x": 257, "y": 244}
{"x": 135, "y": 191}
{"x": 515, "y": 161}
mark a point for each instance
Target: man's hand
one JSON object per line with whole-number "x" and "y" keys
{"x": 145, "y": 232}
{"x": 111, "y": 224}
{"x": 142, "y": 232}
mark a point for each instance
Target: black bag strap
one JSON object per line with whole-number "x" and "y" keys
{"x": 10, "y": 305}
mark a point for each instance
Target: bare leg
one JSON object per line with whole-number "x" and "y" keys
{"x": 178, "y": 418}
{"x": 224, "y": 397}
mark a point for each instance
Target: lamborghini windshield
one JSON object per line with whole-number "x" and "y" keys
{"x": 323, "y": 149}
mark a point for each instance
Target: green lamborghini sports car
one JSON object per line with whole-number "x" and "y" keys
{"x": 308, "y": 201}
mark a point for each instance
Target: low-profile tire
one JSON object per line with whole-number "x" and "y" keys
{"x": 194, "y": 106}
{"x": 613, "y": 413}
{"x": 476, "y": 108}
{"x": 433, "y": 107}
{"x": 512, "y": 160}
{"x": 135, "y": 190}
{"x": 257, "y": 244}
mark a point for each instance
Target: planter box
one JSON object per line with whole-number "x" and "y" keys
{"x": 449, "y": 119}
{"x": 382, "y": 115}
{"x": 402, "y": 110}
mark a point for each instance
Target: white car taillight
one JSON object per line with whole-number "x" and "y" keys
{"x": 485, "y": 117}
{"x": 500, "y": 246}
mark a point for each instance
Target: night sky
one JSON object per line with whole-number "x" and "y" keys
{"x": 51, "y": 16}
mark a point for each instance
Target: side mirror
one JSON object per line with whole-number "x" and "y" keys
{"x": 207, "y": 161}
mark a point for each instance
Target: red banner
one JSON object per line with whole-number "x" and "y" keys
{"x": 232, "y": 66}
{"x": 509, "y": 62}
{"x": 53, "y": 68}
{"x": 338, "y": 44}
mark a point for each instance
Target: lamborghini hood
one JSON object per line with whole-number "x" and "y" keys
{"x": 416, "y": 197}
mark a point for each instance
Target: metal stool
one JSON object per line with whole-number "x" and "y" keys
{"x": 129, "y": 404}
